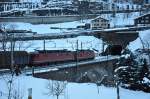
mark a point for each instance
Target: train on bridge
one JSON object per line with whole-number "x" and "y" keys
{"x": 42, "y": 57}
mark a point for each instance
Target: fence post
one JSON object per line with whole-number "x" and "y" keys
{"x": 32, "y": 71}
{"x": 30, "y": 93}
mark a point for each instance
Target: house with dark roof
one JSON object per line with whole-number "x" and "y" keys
{"x": 99, "y": 23}
{"x": 142, "y": 20}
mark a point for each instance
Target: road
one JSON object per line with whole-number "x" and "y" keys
{"x": 73, "y": 34}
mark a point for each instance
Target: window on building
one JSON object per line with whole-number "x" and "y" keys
{"x": 142, "y": 21}
{"x": 139, "y": 21}
{"x": 147, "y": 17}
{"x": 146, "y": 21}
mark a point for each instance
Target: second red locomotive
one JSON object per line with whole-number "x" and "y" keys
{"x": 56, "y": 56}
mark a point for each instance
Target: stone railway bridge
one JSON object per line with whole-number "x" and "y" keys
{"x": 99, "y": 71}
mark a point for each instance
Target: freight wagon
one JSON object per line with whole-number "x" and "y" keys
{"x": 21, "y": 58}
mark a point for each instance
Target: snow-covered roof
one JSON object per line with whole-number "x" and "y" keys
{"x": 99, "y": 17}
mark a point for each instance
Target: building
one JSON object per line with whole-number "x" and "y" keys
{"x": 142, "y": 20}
{"x": 9, "y": 0}
{"x": 7, "y": 6}
{"x": 100, "y": 23}
{"x": 147, "y": 1}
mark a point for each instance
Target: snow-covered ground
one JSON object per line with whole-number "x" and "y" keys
{"x": 72, "y": 91}
{"x": 89, "y": 42}
{"x": 46, "y": 28}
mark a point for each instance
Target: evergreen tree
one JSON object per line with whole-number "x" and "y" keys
{"x": 144, "y": 70}
{"x": 131, "y": 74}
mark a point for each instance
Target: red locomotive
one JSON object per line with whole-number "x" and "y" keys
{"x": 43, "y": 57}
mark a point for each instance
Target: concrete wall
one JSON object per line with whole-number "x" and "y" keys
{"x": 84, "y": 73}
{"x": 42, "y": 19}
{"x": 95, "y": 72}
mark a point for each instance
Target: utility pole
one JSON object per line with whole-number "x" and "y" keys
{"x": 81, "y": 45}
{"x": 30, "y": 93}
{"x": 117, "y": 85}
{"x": 118, "y": 92}
{"x": 77, "y": 46}
{"x": 12, "y": 52}
{"x": 103, "y": 45}
{"x": 44, "y": 45}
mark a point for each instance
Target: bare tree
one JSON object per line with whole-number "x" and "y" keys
{"x": 13, "y": 89}
{"x": 56, "y": 88}
{"x": 23, "y": 45}
{"x": 4, "y": 35}
{"x": 11, "y": 92}
{"x": 17, "y": 93}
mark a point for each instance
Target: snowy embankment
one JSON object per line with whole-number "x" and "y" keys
{"x": 46, "y": 28}
{"x": 72, "y": 91}
{"x": 145, "y": 38}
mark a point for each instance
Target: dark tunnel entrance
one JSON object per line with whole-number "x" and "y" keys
{"x": 113, "y": 50}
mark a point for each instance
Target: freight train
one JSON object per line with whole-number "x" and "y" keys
{"x": 20, "y": 58}
{"x": 43, "y": 57}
